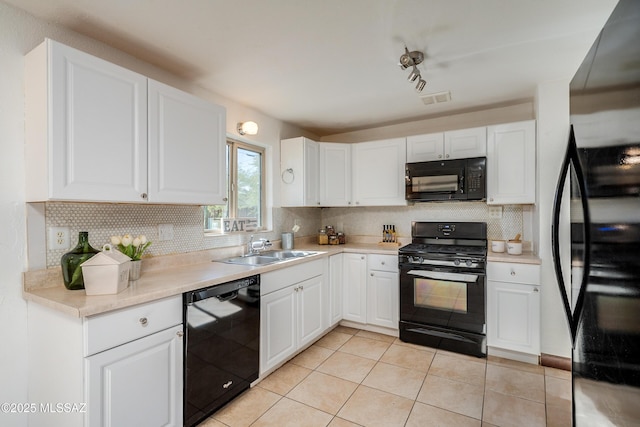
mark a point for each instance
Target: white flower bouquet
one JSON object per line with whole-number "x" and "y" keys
{"x": 133, "y": 247}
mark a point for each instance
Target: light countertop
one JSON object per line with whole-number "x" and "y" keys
{"x": 173, "y": 275}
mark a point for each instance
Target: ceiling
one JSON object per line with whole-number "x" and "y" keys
{"x": 331, "y": 66}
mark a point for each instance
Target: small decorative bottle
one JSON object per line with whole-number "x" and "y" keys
{"x": 71, "y": 269}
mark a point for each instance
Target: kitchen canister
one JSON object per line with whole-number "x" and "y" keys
{"x": 287, "y": 241}
{"x": 497, "y": 246}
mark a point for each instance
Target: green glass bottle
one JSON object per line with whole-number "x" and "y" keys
{"x": 71, "y": 269}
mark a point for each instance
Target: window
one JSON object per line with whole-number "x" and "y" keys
{"x": 245, "y": 187}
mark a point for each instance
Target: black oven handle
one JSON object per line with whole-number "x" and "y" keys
{"x": 441, "y": 275}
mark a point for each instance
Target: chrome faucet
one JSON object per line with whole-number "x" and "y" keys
{"x": 257, "y": 246}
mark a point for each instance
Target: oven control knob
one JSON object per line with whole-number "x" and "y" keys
{"x": 468, "y": 262}
{"x": 456, "y": 261}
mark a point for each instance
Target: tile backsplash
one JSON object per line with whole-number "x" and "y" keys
{"x": 102, "y": 220}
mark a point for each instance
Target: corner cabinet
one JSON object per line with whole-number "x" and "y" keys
{"x": 378, "y": 172}
{"x": 299, "y": 172}
{"x": 126, "y": 365}
{"x": 98, "y": 132}
{"x": 513, "y": 310}
{"x": 335, "y": 174}
{"x": 511, "y": 163}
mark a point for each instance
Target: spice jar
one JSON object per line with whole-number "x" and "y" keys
{"x": 323, "y": 239}
{"x": 341, "y": 238}
{"x": 333, "y": 239}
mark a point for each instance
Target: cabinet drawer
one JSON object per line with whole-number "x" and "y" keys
{"x": 109, "y": 330}
{"x": 382, "y": 262}
{"x": 514, "y": 273}
{"x": 287, "y": 276}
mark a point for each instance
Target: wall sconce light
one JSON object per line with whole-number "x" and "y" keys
{"x": 247, "y": 128}
{"x": 411, "y": 59}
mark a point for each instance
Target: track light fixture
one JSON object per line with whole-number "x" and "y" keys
{"x": 412, "y": 59}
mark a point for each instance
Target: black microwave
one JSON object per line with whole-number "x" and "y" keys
{"x": 463, "y": 179}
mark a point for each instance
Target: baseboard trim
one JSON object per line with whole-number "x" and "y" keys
{"x": 557, "y": 362}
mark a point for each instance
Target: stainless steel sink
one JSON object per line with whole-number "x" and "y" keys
{"x": 268, "y": 257}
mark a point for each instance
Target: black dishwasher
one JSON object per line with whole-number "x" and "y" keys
{"x": 222, "y": 345}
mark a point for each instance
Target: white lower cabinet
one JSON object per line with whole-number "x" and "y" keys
{"x": 371, "y": 289}
{"x": 383, "y": 291}
{"x": 513, "y": 308}
{"x": 138, "y": 383}
{"x": 292, "y": 311}
{"x": 125, "y": 365}
{"x": 354, "y": 286}
{"x": 336, "y": 270}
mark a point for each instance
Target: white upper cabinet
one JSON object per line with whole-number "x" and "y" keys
{"x": 511, "y": 163}
{"x": 465, "y": 143}
{"x": 335, "y": 174}
{"x": 425, "y": 148}
{"x": 378, "y": 172}
{"x": 458, "y": 144}
{"x": 87, "y": 135}
{"x": 185, "y": 152}
{"x": 86, "y": 127}
{"x": 299, "y": 165}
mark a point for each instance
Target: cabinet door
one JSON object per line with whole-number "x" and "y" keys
{"x": 186, "y": 148}
{"x": 299, "y": 166}
{"x": 355, "y": 287}
{"x": 335, "y": 288}
{"x": 513, "y": 316}
{"x": 95, "y": 123}
{"x": 378, "y": 172}
{"x": 425, "y": 148}
{"x": 139, "y": 383}
{"x": 465, "y": 143}
{"x": 335, "y": 174}
{"x": 383, "y": 299}
{"x": 277, "y": 327}
{"x": 310, "y": 310}
{"x": 511, "y": 163}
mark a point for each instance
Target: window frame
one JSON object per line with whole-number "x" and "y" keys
{"x": 232, "y": 145}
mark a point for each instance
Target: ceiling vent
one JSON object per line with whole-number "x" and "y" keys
{"x": 436, "y": 98}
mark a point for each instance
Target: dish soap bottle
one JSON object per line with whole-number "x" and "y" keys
{"x": 71, "y": 269}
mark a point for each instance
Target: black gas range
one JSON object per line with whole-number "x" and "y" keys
{"x": 442, "y": 286}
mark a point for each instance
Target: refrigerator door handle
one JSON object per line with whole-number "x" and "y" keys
{"x": 571, "y": 158}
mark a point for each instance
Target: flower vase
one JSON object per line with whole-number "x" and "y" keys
{"x": 72, "y": 260}
{"x": 134, "y": 270}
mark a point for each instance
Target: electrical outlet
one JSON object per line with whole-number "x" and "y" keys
{"x": 58, "y": 237}
{"x": 495, "y": 211}
{"x": 165, "y": 232}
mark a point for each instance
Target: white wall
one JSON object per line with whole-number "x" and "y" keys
{"x": 552, "y": 107}
{"x": 19, "y": 33}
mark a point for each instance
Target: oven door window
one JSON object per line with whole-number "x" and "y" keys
{"x": 440, "y": 295}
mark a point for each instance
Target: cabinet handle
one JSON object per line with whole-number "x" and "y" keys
{"x": 302, "y": 288}
{"x": 536, "y": 290}
{"x": 371, "y": 274}
{"x": 439, "y": 156}
{"x": 491, "y": 199}
{"x": 144, "y": 196}
{"x": 144, "y": 321}
{"x": 447, "y": 156}
{"x": 227, "y": 385}
{"x": 382, "y": 263}
{"x": 513, "y": 273}
{"x": 180, "y": 334}
{"x": 225, "y": 199}
{"x": 361, "y": 257}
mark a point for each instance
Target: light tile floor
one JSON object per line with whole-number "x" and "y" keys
{"x": 358, "y": 378}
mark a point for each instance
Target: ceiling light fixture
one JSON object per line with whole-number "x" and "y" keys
{"x": 247, "y": 128}
{"x": 412, "y": 59}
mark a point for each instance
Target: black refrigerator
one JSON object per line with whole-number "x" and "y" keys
{"x": 601, "y": 177}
